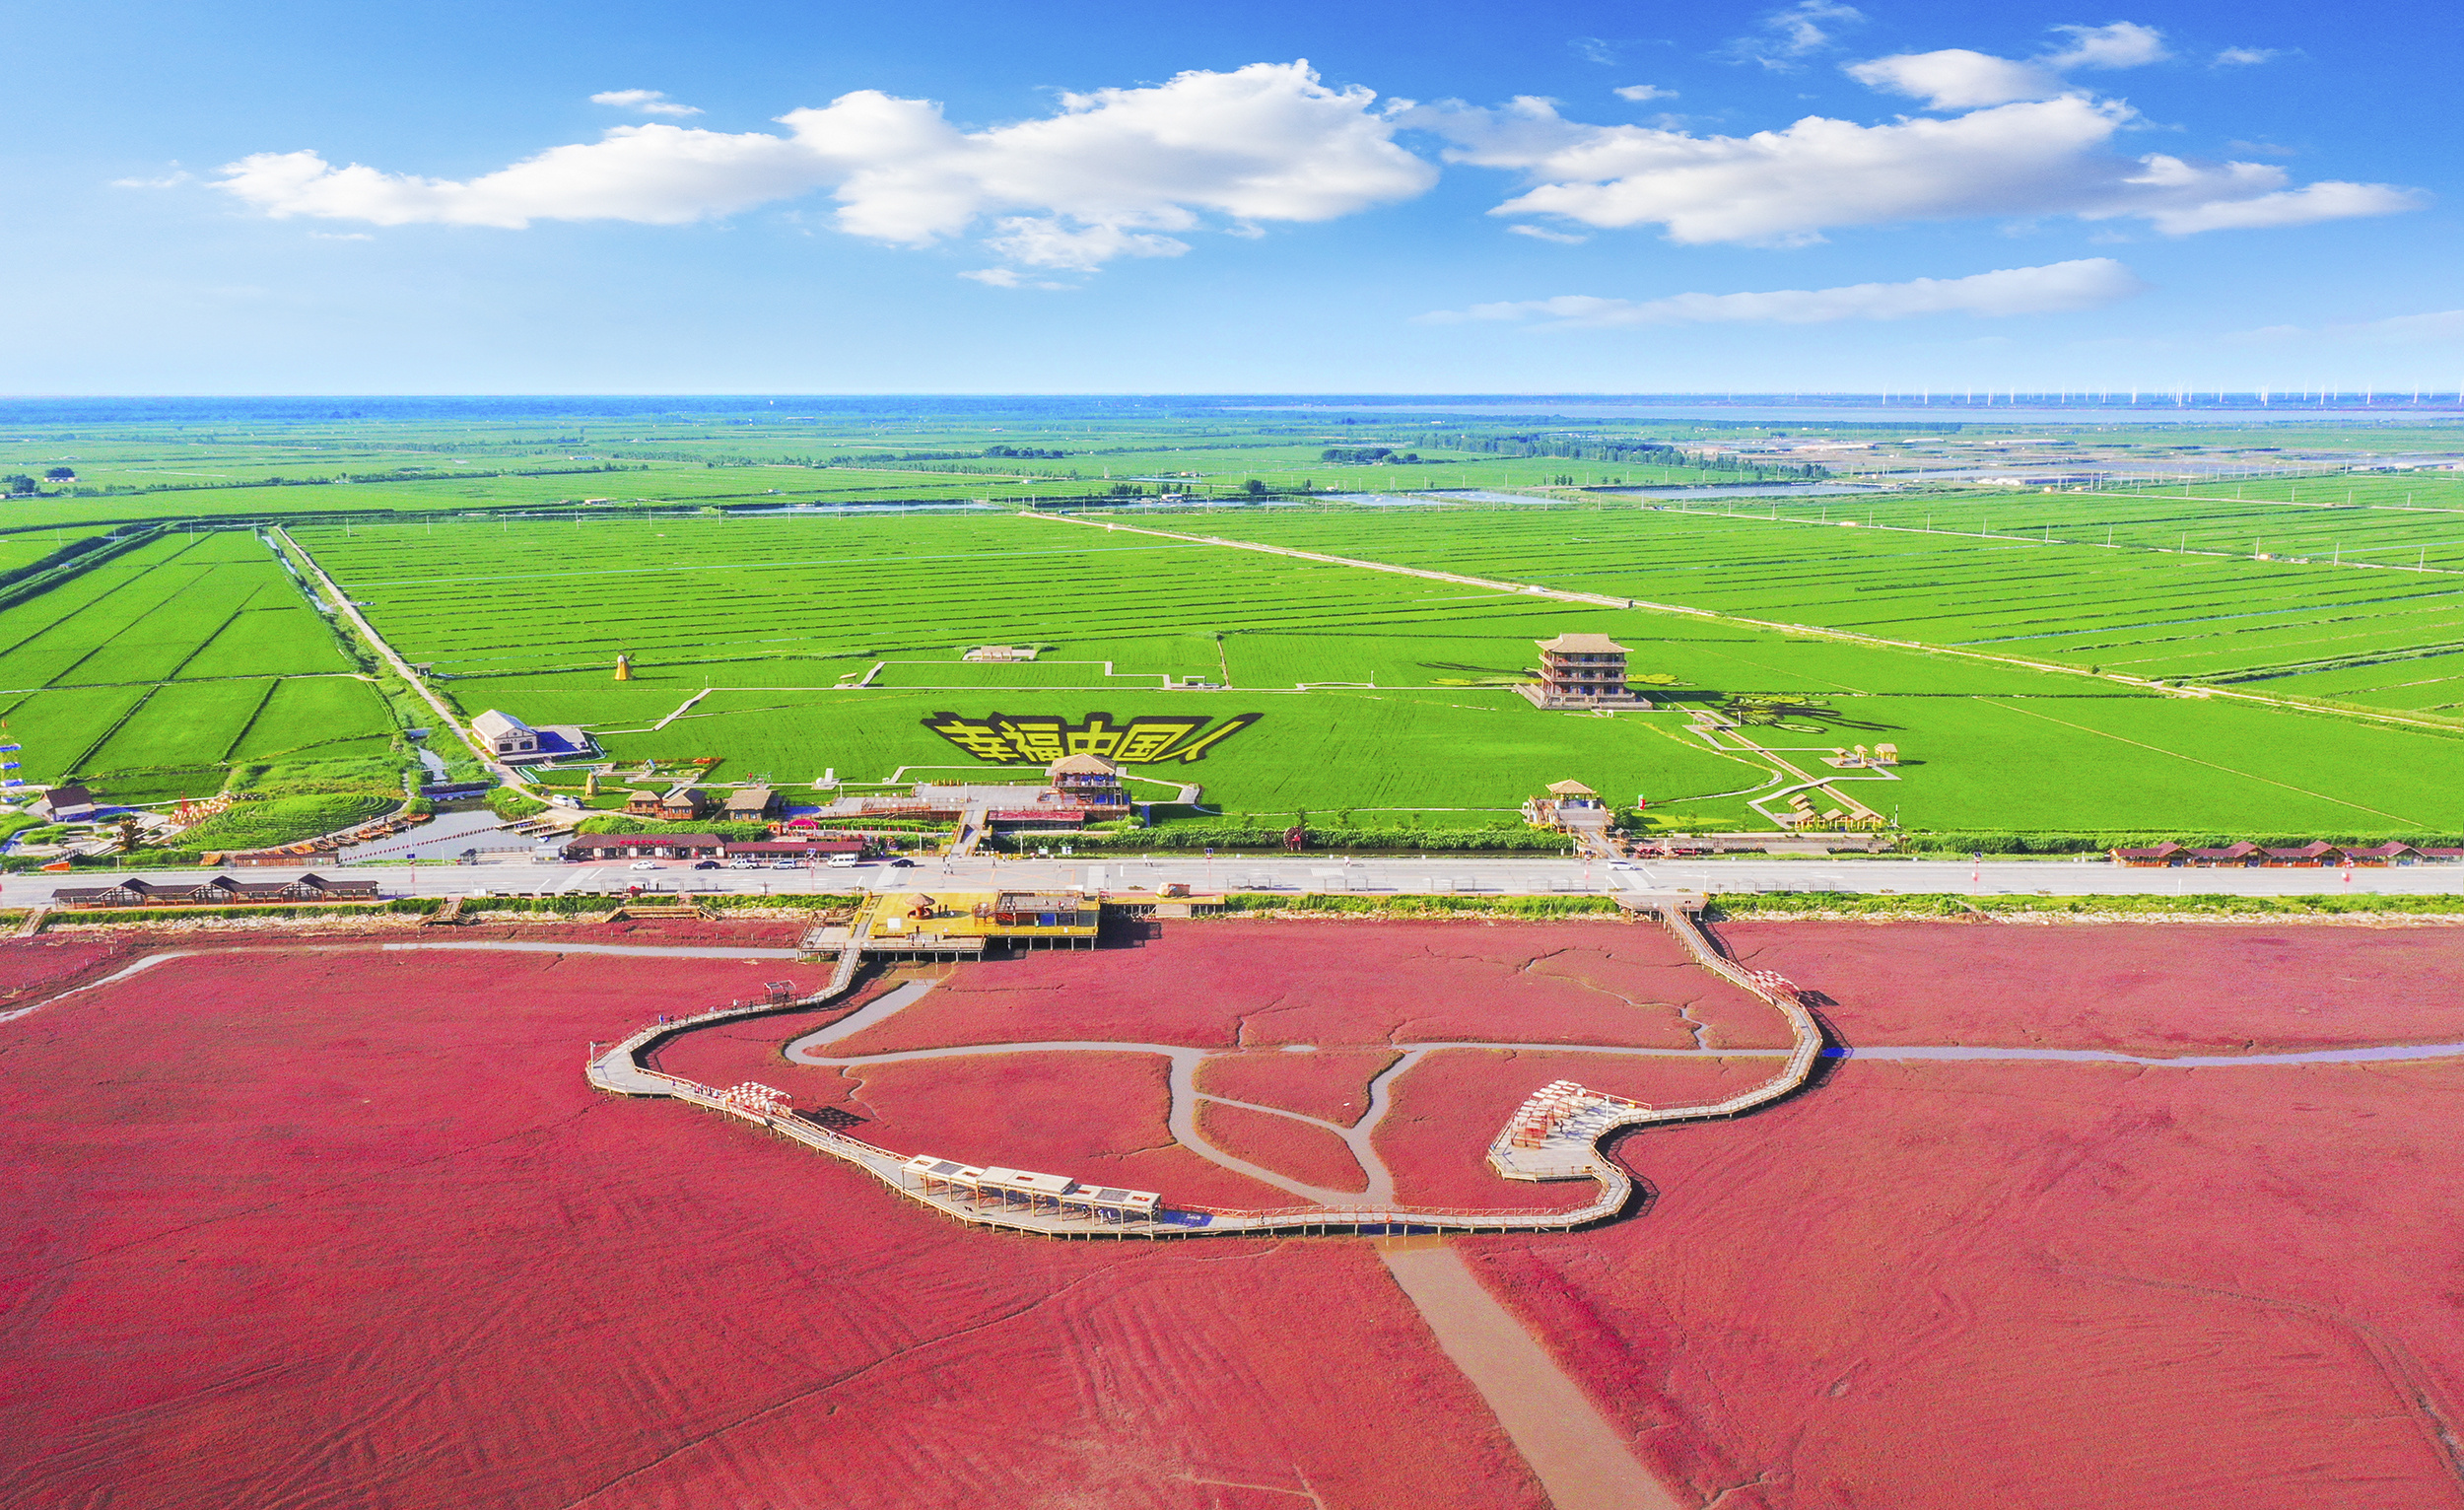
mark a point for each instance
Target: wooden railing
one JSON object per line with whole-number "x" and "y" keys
{"x": 1616, "y": 1187}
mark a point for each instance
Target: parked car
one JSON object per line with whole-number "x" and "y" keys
{"x": 706, "y": 864}
{"x": 900, "y": 861}
{"x": 785, "y": 864}
{"x": 643, "y": 864}
{"x": 839, "y": 861}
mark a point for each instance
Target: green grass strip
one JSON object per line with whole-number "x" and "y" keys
{"x": 1852, "y": 904}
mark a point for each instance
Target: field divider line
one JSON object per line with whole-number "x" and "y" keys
{"x": 367, "y": 631}
{"x": 681, "y": 708}
{"x": 2196, "y": 761}
{"x": 1846, "y": 637}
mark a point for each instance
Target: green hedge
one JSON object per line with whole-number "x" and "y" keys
{"x": 1424, "y": 907}
{"x": 260, "y": 910}
{"x": 569, "y": 903}
{"x": 1782, "y": 904}
{"x": 2002, "y": 842}
{"x": 620, "y": 823}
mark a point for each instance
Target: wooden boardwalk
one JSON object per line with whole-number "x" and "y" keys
{"x": 623, "y": 1069}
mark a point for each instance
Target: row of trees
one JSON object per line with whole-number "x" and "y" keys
{"x": 22, "y": 485}
{"x": 1651, "y": 452}
{"x": 1362, "y": 455}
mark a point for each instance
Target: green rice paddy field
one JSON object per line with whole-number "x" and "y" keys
{"x": 154, "y": 671}
{"x": 2362, "y": 604}
{"x": 1379, "y": 691}
{"x": 825, "y": 641}
{"x": 239, "y": 473}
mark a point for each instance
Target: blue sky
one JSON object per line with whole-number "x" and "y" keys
{"x": 1079, "y": 197}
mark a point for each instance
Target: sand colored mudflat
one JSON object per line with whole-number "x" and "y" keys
{"x": 1291, "y": 1148}
{"x": 1262, "y": 983}
{"x": 1331, "y": 1084}
{"x": 2064, "y": 1286}
{"x": 348, "y": 1232}
{"x": 2139, "y": 988}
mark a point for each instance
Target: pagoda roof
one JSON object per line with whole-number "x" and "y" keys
{"x": 1082, "y": 765}
{"x": 1584, "y": 644}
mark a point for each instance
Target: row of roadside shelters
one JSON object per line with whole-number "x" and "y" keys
{"x": 1023, "y": 1190}
{"x": 2314, "y": 855}
{"x": 137, "y": 891}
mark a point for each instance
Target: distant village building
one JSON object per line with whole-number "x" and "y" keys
{"x": 644, "y": 847}
{"x": 1001, "y": 653}
{"x": 64, "y": 804}
{"x": 683, "y": 804}
{"x": 1581, "y": 671}
{"x": 514, "y": 743}
{"x": 2316, "y": 854}
{"x": 749, "y": 804}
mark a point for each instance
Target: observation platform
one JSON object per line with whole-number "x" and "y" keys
{"x": 961, "y": 924}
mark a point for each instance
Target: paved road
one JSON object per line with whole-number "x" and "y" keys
{"x": 1509, "y": 877}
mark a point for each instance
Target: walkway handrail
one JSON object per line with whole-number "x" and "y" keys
{"x": 623, "y": 1071}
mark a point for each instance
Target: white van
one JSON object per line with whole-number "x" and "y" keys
{"x": 837, "y": 861}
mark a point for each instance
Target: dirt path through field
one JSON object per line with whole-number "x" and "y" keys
{"x": 1578, "y": 1457}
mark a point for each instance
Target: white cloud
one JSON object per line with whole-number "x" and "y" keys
{"x": 650, "y": 101}
{"x": 1097, "y": 178}
{"x": 2026, "y": 158}
{"x": 340, "y": 236}
{"x": 1048, "y": 241}
{"x": 2401, "y": 329}
{"x": 1544, "y": 234}
{"x": 1791, "y": 33}
{"x": 1009, "y": 278}
{"x": 2090, "y": 283}
{"x": 2311, "y": 203}
{"x": 2443, "y": 325}
{"x": 2244, "y": 57}
{"x": 173, "y": 179}
{"x": 1638, "y": 92}
{"x": 2123, "y": 44}
{"x": 1594, "y": 50}
{"x": 1955, "y": 79}
{"x": 1958, "y": 78}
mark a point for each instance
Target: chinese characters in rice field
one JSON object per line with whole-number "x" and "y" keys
{"x": 1040, "y": 738}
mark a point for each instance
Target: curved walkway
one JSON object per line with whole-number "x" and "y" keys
{"x": 623, "y": 1070}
